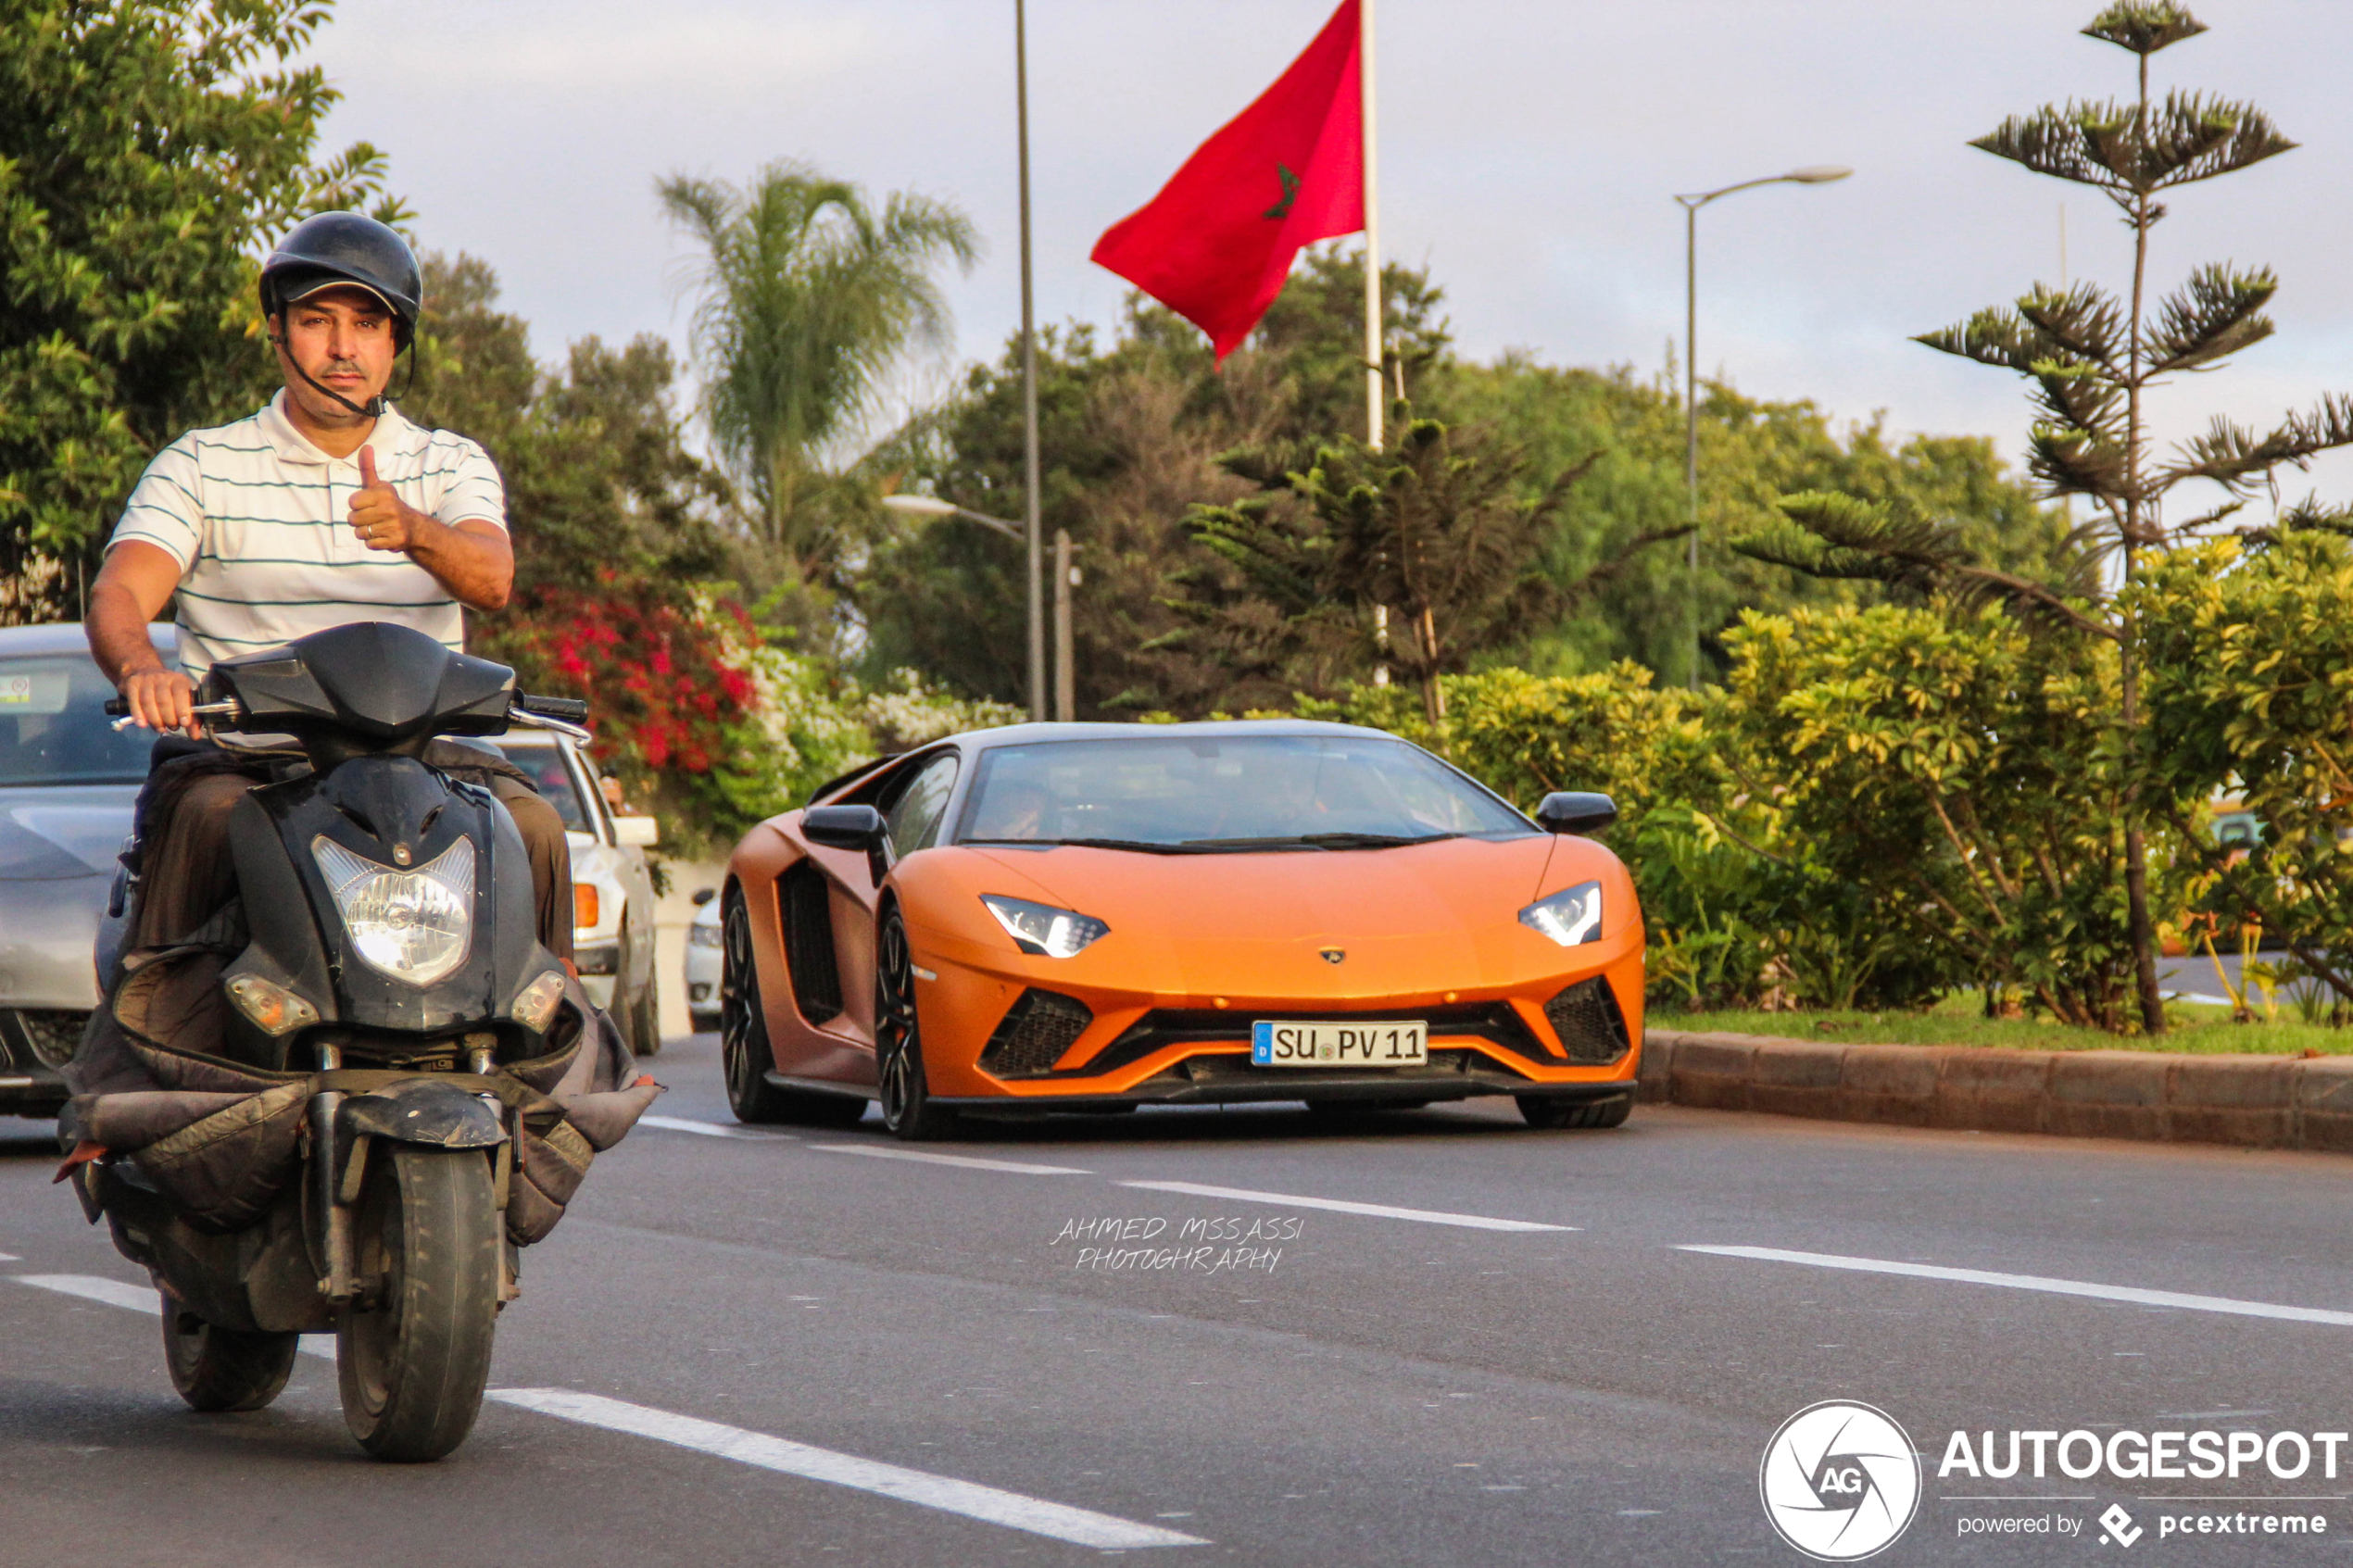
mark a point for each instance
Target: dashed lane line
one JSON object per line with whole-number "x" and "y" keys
{"x": 968, "y": 1161}
{"x": 1346, "y": 1205}
{"x": 1078, "y": 1526}
{"x": 989, "y": 1504}
{"x": 711, "y": 1129}
{"x": 2037, "y": 1282}
{"x": 142, "y": 1300}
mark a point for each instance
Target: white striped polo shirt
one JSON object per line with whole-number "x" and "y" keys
{"x": 259, "y": 520}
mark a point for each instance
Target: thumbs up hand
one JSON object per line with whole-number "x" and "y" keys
{"x": 379, "y": 516}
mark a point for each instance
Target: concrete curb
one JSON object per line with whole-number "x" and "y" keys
{"x": 2250, "y": 1101}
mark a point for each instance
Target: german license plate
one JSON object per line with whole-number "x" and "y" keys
{"x": 1384, "y": 1043}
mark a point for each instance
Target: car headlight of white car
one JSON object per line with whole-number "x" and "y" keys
{"x": 1043, "y": 929}
{"x": 413, "y": 925}
{"x": 1569, "y": 917}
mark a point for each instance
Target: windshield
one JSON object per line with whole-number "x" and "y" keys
{"x": 1203, "y": 793}
{"x": 544, "y": 765}
{"x": 53, "y": 729}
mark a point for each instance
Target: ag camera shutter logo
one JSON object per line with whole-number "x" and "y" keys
{"x": 1839, "y": 1481}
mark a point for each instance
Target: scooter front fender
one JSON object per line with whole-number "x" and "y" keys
{"x": 421, "y": 1110}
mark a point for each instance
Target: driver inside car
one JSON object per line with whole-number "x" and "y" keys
{"x": 324, "y": 508}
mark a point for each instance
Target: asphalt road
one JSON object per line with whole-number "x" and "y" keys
{"x": 745, "y": 1346}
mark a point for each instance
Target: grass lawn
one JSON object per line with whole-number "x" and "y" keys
{"x": 1960, "y": 1021}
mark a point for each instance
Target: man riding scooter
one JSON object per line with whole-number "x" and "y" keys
{"x": 344, "y": 1070}
{"x": 324, "y": 508}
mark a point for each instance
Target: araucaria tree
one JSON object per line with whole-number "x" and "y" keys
{"x": 810, "y": 298}
{"x": 2094, "y": 359}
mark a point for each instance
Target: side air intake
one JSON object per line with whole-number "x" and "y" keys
{"x": 809, "y": 942}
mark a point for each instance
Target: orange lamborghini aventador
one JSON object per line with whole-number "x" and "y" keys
{"x": 1094, "y": 917}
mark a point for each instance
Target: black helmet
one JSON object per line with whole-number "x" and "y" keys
{"x": 351, "y": 249}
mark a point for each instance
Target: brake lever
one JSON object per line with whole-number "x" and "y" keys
{"x": 541, "y": 722}
{"x": 201, "y": 711}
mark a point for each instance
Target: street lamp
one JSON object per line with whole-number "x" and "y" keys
{"x": 1065, "y": 579}
{"x": 1814, "y": 174}
{"x": 932, "y": 506}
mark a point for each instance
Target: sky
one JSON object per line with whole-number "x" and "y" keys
{"x": 1529, "y": 151}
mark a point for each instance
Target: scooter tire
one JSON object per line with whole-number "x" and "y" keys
{"x": 219, "y": 1369}
{"x": 413, "y": 1354}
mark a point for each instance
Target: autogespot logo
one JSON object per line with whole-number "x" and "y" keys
{"x": 1839, "y": 1481}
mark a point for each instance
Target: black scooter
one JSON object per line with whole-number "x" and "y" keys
{"x": 361, "y": 1088}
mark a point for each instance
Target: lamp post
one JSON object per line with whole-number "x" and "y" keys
{"x": 1816, "y": 174}
{"x": 1065, "y": 579}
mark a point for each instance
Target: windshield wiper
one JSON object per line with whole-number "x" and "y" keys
{"x": 1143, "y": 845}
{"x": 1322, "y": 841}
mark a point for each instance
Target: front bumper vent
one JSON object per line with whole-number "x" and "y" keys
{"x": 1035, "y": 1031}
{"x": 1592, "y": 1029}
{"x": 40, "y": 1037}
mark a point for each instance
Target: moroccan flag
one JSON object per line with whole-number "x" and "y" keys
{"x": 1215, "y": 244}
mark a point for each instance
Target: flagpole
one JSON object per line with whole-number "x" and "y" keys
{"x": 1372, "y": 232}
{"x": 1032, "y": 528}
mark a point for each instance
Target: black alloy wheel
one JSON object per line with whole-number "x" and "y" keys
{"x": 1539, "y": 1110}
{"x": 224, "y": 1369}
{"x": 412, "y": 1352}
{"x": 907, "y": 1106}
{"x": 744, "y": 1050}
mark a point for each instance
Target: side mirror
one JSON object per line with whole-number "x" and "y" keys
{"x": 704, "y": 895}
{"x": 636, "y": 833}
{"x": 1570, "y": 810}
{"x": 848, "y": 827}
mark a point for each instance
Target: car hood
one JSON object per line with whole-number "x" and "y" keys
{"x": 1398, "y": 917}
{"x": 53, "y": 834}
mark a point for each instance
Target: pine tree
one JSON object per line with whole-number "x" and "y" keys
{"x": 2092, "y": 360}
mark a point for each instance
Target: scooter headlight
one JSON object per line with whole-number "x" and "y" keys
{"x": 413, "y": 925}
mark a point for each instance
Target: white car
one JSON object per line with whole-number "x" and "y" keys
{"x": 703, "y": 963}
{"x": 612, "y": 891}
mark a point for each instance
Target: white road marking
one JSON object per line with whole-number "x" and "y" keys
{"x": 967, "y": 1160}
{"x": 143, "y": 1301}
{"x": 2037, "y": 1282}
{"x": 92, "y": 1287}
{"x": 1078, "y": 1526}
{"x": 709, "y": 1129}
{"x": 10, "y": 1257}
{"x": 1342, "y": 1205}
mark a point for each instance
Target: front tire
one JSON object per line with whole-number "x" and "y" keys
{"x": 644, "y": 1021}
{"x": 217, "y": 1369}
{"x": 907, "y": 1107}
{"x": 414, "y": 1353}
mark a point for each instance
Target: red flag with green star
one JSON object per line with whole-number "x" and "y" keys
{"x": 1215, "y": 244}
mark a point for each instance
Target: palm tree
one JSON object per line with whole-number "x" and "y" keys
{"x": 810, "y": 299}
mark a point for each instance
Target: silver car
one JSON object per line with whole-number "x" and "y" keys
{"x": 612, "y": 889}
{"x": 68, "y": 780}
{"x": 67, "y": 783}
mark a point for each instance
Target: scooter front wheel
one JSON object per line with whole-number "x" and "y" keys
{"x": 413, "y": 1351}
{"x": 224, "y": 1369}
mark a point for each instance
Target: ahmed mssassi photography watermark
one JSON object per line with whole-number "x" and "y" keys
{"x": 1842, "y": 1481}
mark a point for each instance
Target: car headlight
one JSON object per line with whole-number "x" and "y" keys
{"x": 1042, "y": 928}
{"x": 413, "y": 925}
{"x": 702, "y": 936}
{"x": 1569, "y": 917}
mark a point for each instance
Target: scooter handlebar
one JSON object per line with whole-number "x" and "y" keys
{"x": 570, "y": 708}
